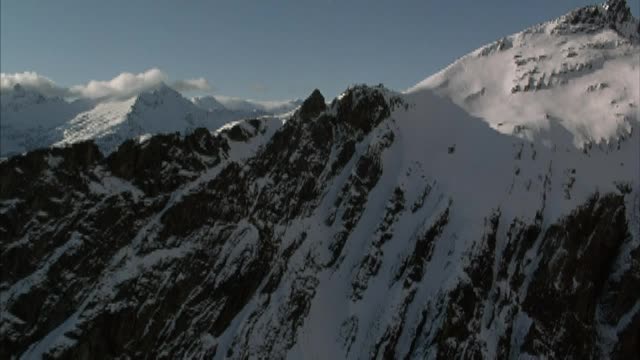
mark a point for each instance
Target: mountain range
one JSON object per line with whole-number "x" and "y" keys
{"x": 31, "y": 120}
{"x": 491, "y": 211}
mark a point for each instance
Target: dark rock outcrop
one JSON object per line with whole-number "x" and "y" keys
{"x": 313, "y": 105}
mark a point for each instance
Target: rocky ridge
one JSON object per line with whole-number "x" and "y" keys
{"x": 381, "y": 225}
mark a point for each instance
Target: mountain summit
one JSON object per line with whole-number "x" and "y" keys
{"x": 571, "y": 77}
{"x": 313, "y": 105}
{"x": 618, "y": 12}
{"x": 614, "y": 14}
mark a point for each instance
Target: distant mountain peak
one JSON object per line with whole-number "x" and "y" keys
{"x": 18, "y": 97}
{"x": 19, "y": 91}
{"x": 208, "y": 103}
{"x": 163, "y": 89}
{"x": 157, "y": 96}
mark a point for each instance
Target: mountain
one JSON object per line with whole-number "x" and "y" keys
{"x": 208, "y": 103}
{"x": 381, "y": 225}
{"x": 255, "y": 106}
{"x": 235, "y": 108}
{"x": 219, "y": 111}
{"x": 162, "y": 110}
{"x": 31, "y": 120}
{"x": 579, "y": 73}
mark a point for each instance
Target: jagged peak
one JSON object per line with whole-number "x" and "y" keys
{"x": 617, "y": 10}
{"x": 18, "y": 91}
{"x": 158, "y": 95}
{"x": 358, "y": 92}
{"x": 363, "y": 106}
{"x": 613, "y": 14}
{"x": 164, "y": 89}
{"x": 543, "y": 75}
{"x": 313, "y": 105}
{"x": 209, "y": 103}
{"x": 19, "y": 96}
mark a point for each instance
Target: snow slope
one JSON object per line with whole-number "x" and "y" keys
{"x": 578, "y": 73}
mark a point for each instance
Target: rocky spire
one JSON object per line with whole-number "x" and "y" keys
{"x": 617, "y": 11}
{"x": 313, "y": 105}
{"x": 613, "y": 14}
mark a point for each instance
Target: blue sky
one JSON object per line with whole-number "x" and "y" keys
{"x": 258, "y": 49}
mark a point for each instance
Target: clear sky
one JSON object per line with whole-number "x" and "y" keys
{"x": 259, "y": 49}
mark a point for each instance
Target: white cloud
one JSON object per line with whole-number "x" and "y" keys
{"x": 122, "y": 86}
{"x": 31, "y": 81}
{"x": 200, "y": 84}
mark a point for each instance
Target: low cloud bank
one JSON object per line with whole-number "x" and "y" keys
{"x": 122, "y": 86}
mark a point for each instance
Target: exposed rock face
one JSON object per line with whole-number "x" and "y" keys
{"x": 618, "y": 11}
{"x": 614, "y": 14}
{"x": 313, "y": 105}
{"x": 172, "y": 248}
{"x": 164, "y": 162}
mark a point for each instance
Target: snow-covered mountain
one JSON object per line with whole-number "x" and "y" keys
{"x": 420, "y": 224}
{"x": 271, "y": 107}
{"x": 208, "y": 103}
{"x": 28, "y": 119}
{"x": 231, "y": 109}
{"x": 31, "y": 120}
{"x": 162, "y": 110}
{"x": 578, "y": 73}
{"x": 213, "y": 103}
